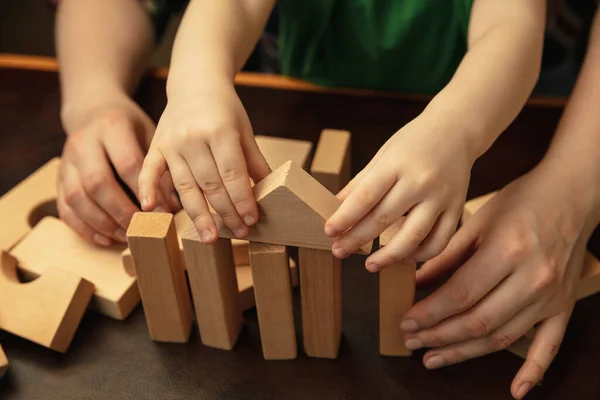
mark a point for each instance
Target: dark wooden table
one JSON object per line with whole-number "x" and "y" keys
{"x": 116, "y": 360}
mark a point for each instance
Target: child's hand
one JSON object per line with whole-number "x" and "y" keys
{"x": 110, "y": 134}
{"x": 205, "y": 140}
{"x": 516, "y": 263}
{"x": 423, "y": 171}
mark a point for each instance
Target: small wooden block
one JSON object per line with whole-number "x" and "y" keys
{"x": 321, "y": 294}
{"x": 396, "y": 297}
{"x": 3, "y": 363}
{"x": 17, "y": 206}
{"x": 213, "y": 281}
{"x": 158, "y": 266}
{"x": 331, "y": 164}
{"x": 279, "y": 150}
{"x": 293, "y": 207}
{"x": 273, "y": 292}
{"x": 52, "y": 243}
{"x": 46, "y": 311}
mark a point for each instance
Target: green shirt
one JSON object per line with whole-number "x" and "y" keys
{"x": 399, "y": 45}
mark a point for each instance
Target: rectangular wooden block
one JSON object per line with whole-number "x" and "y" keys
{"x": 273, "y": 292}
{"x": 277, "y": 151}
{"x": 321, "y": 293}
{"x": 161, "y": 278}
{"x": 51, "y": 243}
{"x": 3, "y": 363}
{"x": 331, "y": 164}
{"x": 46, "y": 311}
{"x": 213, "y": 281}
{"x": 26, "y": 202}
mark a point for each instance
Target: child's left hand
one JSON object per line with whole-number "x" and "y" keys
{"x": 422, "y": 170}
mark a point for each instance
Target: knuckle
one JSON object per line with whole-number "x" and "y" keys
{"x": 364, "y": 198}
{"x": 478, "y": 326}
{"x": 72, "y": 197}
{"x": 517, "y": 246}
{"x": 202, "y": 220}
{"x": 500, "y": 340}
{"x": 129, "y": 166}
{"x": 184, "y": 187}
{"x": 416, "y": 236}
{"x": 232, "y": 174}
{"x": 383, "y": 220}
{"x": 94, "y": 182}
{"x": 459, "y": 297}
{"x": 211, "y": 188}
{"x": 424, "y": 180}
{"x": 546, "y": 276}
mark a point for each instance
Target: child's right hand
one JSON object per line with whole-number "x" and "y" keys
{"x": 206, "y": 142}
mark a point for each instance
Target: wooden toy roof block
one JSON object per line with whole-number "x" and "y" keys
{"x": 293, "y": 207}
{"x": 52, "y": 243}
{"x": 46, "y": 311}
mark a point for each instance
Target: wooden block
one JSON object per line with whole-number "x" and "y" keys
{"x": 161, "y": 278}
{"x": 293, "y": 208}
{"x": 52, "y": 243}
{"x": 273, "y": 292}
{"x": 46, "y": 311}
{"x": 396, "y": 297}
{"x": 19, "y": 206}
{"x": 3, "y": 363}
{"x": 321, "y": 293}
{"x": 279, "y": 150}
{"x": 213, "y": 281}
{"x": 331, "y": 164}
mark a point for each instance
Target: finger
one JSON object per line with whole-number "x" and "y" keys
{"x": 465, "y": 288}
{"x": 229, "y": 157}
{"x": 153, "y": 169}
{"x": 493, "y": 311}
{"x": 363, "y": 198}
{"x": 460, "y": 248}
{"x": 390, "y": 209}
{"x": 192, "y": 199}
{"x": 84, "y": 208}
{"x": 439, "y": 237}
{"x": 258, "y": 168}
{"x": 343, "y": 194}
{"x": 500, "y": 339}
{"x": 206, "y": 174}
{"x": 81, "y": 228}
{"x": 415, "y": 229}
{"x": 548, "y": 338}
{"x": 169, "y": 193}
{"x": 100, "y": 184}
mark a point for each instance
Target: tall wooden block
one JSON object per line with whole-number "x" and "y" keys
{"x": 3, "y": 363}
{"x": 321, "y": 292}
{"x": 396, "y": 297}
{"x": 213, "y": 281}
{"x": 46, "y": 311}
{"x": 273, "y": 293}
{"x": 331, "y": 164}
{"x": 279, "y": 150}
{"x": 161, "y": 278}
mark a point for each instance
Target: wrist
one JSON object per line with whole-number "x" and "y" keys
{"x": 185, "y": 88}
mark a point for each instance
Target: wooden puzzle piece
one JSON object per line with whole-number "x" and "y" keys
{"x": 331, "y": 164}
{"x": 46, "y": 311}
{"x": 214, "y": 288}
{"x": 52, "y": 243}
{"x": 396, "y": 297}
{"x": 161, "y": 278}
{"x": 279, "y": 150}
{"x": 293, "y": 207}
{"x": 18, "y": 205}
{"x": 3, "y": 363}
{"x": 321, "y": 294}
{"x": 273, "y": 292}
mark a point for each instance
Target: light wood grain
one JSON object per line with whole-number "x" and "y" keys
{"x": 277, "y": 151}
{"x": 213, "y": 281}
{"x": 273, "y": 292}
{"x": 17, "y": 206}
{"x": 158, "y": 266}
{"x": 331, "y": 164}
{"x": 3, "y": 362}
{"x": 246, "y": 285}
{"x": 293, "y": 207}
{"x": 52, "y": 243}
{"x": 47, "y": 310}
{"x": 321, "y": 294}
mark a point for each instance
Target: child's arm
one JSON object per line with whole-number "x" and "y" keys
{"x": 424, "y": 168}
{"x": 103, "y": 49}
{"x": 204, "y": 137}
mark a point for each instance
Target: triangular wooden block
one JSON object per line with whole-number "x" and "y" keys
{"x": 53, "y": 243}
{"x": 293, "y": 208}
{"x": 3, "y": 363}
{"x": 46, "y": 311}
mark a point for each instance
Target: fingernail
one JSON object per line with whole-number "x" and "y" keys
{"x": 249, "y": 220}
{"x": 330, "y": 230}
{"x": 159, "y": 209}
{"x": 409, "y": 325}
{"x": 144, "y": 203}
{"x": 239, "y": 233}
{"x": 413, "y": 344}
{"x": 121, "y": 235}
{"x": 435, "y": 362}
{"x": 206, "y": 235}
{"x": 523, "y": 390}
{"x": 372, "y": 267}
{"x": 101, "y": 239}
{"x": 339, "y": 252}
